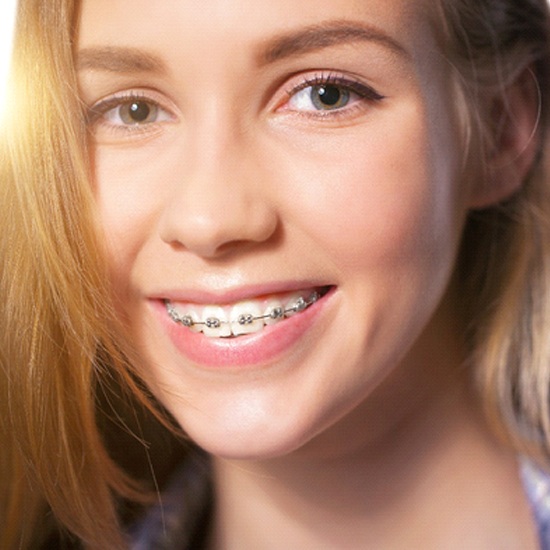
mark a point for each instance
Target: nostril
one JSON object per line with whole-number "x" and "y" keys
{"x": 215, "y": 227}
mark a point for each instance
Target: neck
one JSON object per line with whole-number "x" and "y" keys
{"x": 425, "y": 467}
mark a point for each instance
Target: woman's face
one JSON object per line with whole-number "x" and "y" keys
{"x": 248, "y": 154}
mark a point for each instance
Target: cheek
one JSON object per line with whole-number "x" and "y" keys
{"x": 378, "y": 201}
{"x": 129, "y": 200}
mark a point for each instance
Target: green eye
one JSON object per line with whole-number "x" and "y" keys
{"x": 329, "y": 94}
{"x": 328, "y": 97}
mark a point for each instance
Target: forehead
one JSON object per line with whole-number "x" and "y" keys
{"x": 204, "y": 26}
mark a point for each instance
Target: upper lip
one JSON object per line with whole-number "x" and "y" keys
{"x": 236, "y": 294}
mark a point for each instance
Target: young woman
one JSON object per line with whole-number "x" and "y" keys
{"x": 314, "y": 236}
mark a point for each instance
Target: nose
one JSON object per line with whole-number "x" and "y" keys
{"x": 219, "y": 200}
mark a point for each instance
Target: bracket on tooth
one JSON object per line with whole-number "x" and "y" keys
{"x": 246, "y": 318}
{"x": 275, "y": 313}
{"x": 300, "y": 305}
{"x": 187, "y": 321}
{"x": 213, "y": 322}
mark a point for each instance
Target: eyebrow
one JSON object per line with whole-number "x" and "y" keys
{"x": 119, "y": 59}
{"x": 322, "y": 36}
{"x": 122, "y": 59}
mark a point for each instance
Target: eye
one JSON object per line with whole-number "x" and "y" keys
{"x": 134, "y": 112}
{"x": 128, "y": 111}
{"x": 323, "y": 97}
{"x": 325, "y": 94}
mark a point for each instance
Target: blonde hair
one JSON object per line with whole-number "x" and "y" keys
{"x": 56, "y": 314}
{"x": 504, "y": 268}
{"x": 55, "y": 311}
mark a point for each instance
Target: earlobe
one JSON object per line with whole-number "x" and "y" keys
{"x": 515, "y": 141}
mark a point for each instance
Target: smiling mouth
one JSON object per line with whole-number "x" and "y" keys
{"x": 241, "y": 318}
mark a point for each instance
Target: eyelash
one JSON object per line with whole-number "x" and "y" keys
{"x": 96, "y": 114}
{"x": 365, "y": 93}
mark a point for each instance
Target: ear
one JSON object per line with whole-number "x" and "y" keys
{"x": 515, "y": 141}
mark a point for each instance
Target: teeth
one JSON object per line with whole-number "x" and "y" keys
{"x": 273, "y": 312}
{"x": 190, "y": 320}
{"x": 215, "y": 322}
{"x": 243, "y": 318}
{"x": 295, "y": 304}
{"x": 246, "y": 318}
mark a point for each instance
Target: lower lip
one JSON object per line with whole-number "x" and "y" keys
{"x": 258, "y": 348}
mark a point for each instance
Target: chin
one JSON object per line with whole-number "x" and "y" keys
{"x": 251, "y": 442}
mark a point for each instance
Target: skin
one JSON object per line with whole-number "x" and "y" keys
{"x": 237, "y": 185}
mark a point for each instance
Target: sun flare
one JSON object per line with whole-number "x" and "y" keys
{"x": 7, "y": 20}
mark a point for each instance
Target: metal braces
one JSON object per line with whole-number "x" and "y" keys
{"x": 245, "y": 318}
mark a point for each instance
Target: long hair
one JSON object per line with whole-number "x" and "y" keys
{"x": 504, "y": 269}
{"x": 55, "y": 314}
{"x": 59, "y": 339}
